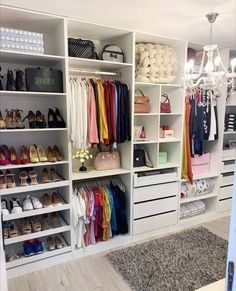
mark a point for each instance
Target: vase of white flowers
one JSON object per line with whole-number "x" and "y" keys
{"x": 82, "y": 156}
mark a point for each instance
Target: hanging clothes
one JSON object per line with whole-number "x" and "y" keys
{"x": 99, "y": 212}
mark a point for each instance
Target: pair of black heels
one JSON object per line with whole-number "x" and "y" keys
{"x": 55, "y": 119}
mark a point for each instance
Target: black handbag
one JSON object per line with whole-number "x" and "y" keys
{"x": 81, "y": 48}
{"x": 112, "y": 53}
{"x": 43, "y": 80}
{"x": 139, "y": 157}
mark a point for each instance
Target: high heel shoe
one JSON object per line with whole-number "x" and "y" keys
{"x": 42, "y": 154}
{"x": 57, "y": 153}
{"x": 31, "y": 119}
{"x": 9, "y": 121}
{"x": 40, "y": 119}
{"x": 60, "y": 123}
{"x": 10, "y": 81}
{"x": 53, "y": 175}
{"x": 10, "y": 178}
{"x": 23, "y": 178}
{"x": 13, "y": 156}
{"x": 18, "y": 120}
{"x": 3, "y": 182}
{"x": 33, "y": 154}
{"x": 25, "y": 158}
{"x": 33, "y": 177}
{"x": 51, "y": 155}
{"x": 3, "y": 158}
{"x": 45, "y": 176}
{"x": 2, "y": 122}
{"x": 51, "y": 118}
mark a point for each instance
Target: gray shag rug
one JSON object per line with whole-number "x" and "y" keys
{"x": 184, "y": 261}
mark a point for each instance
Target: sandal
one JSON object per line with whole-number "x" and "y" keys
{"x": 40, "y": 119}
{"x": 26, "y": 226}
{"x": 45, "y": 176}
{"x": 51, "y": 155}
{"x": 36, "y": 225}
{"x": 18, "y": 119}
{"x": 55, "y": 220}
{"x": 13, "y": 230}
{"x": 33, "y": 176}
{"x": 56, "y": 199}
{"x": 13, "y": 156}
{"x": 57, "y": 153}
{"x": 10, "y": 179}
{"x": 42, "y": 154}
{"x": 23, "y": 178}
{"x": 2, "y": 122}
{"x": 25, "y": 158}
{"x": 3, "y": 182}
{"x": 32, "y": 119}
{"x": 53, "y": 175}
{"x": 33, "y": 154}
{"x": 46, "y": 200}
{"x": 9, "y": 119}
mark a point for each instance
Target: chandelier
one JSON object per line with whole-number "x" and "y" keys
{"x": 214, "y": 72}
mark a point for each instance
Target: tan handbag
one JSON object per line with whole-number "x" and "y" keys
{"x": 106, "y": 161}
{"x": 141, "y": 103}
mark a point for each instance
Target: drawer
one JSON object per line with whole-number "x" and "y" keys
{"x": 225, "y": 205}
{"x": 154, "y": 207}
{"x": 155, "y": 177}
{"x": 228, "y": 167}
{"x": 154, "y": 222}
{"x": 229, "y": 154}
{"x": 155, "y": 191}
{"x": 227, "y": 179}
{"x": 226, "y": 192}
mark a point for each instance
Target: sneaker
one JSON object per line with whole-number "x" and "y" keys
{"x": 37, "y": 247}
{"x": 20, "y": 81}
{"x": 50, "y": 244}
{"x": 15, "y": 206}
{"x": 27, "y": 204}
{"x": 58, "y": 243}
{"x": 10, "y": 81}
{"x": 28, "y": 248}
{"x": 4, "y": 207}
{"x": 36, "y": 203}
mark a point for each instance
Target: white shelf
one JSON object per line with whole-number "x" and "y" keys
{"x": 146, "y": 114}
{"x": 46, "y": 254}
{"x": 162, "y": 140}
{"x": 159, "y": 167}
{"x": 229, "y": 132}
{"x": 145, "y": 141}
{"x": 31, "y": 130}
{"x": 29, "y": 58}
{"x": 29, "y": 93}
{"x": 36, "y": 212}
{"x": 96, "y": 174}
{"x": 171, "y": 114}
{"x": 204, "y": 216}
{"x": 41, "y": 164}
{"x": 202, "y": 197}
{"x": 38, "y": 187}
{"x": 231, "y": 105}
{"x": 63, "y": 228}
{"x": 96, "y": 64}
{"x": 156, "y": 84}
{"x": 203, "y": 176}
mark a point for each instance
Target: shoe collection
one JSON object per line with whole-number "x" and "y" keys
{"x": 30, "y": 225}
{"x": 15, "y": 84}
{"x": 13, "y": 119}
{"x": 33, "y": 154}
{"x": 31, "y": 203}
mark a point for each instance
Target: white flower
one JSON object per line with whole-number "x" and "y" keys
{"x": 82, "y": 160}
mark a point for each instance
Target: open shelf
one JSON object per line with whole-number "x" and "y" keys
{"x": 32, "y": 130}
{"x": 35, "y": 212}
{"x": 230, "y": 132}
{"x": 145, "y": 141}
{"x": 41, "y": 186}
{"x": 41, "y": 164}
{"x": 202, "y": 197}
{"x": 203, "y": 216}
{"x": 29, "y": 93}
{"x": 203, "y": 176}
{"x": 146, "y": 114}
{"x": 161, "y": 140}
{"x": 159, "y": 167}
{"x": 156, "y": 84}
{"x": 97, "y": 174}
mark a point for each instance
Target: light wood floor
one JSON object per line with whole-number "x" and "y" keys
{"x": 88, "y": 274}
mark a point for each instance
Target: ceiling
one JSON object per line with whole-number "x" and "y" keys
{"x": 183, "y": 19}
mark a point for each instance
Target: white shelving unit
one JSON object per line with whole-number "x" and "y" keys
{"x": 162, "y": 182}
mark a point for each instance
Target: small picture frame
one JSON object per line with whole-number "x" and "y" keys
{"x": 232, "y": 144}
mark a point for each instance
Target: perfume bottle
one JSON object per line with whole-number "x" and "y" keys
{"x": 142, "y": 134}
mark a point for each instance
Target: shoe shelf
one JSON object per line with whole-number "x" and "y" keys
{"x": 41, "y": 164}
{"x": 29, "y": 58}
{"x": 30, "y": 93}
{"x": 46, "y": 254}
{"x": 31, "y": 188}
{"x": 201, "y": 197}
{"x": 63, "y": 228}
{"x": 35, "y": 212}
{"x": 97, "y": 174}
{"x": 32, "y": 130}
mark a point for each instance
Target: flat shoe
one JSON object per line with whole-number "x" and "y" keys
{"x": 58, "y": 243}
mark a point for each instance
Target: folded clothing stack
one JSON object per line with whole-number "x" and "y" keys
{"x": 192, "y": 208}
{"x": 21, "y": 41}
{"x": 230, "y": 122}
{"x": 197, "y": 188}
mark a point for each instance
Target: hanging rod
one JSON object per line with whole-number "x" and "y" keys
{"x": 94, "y": 72}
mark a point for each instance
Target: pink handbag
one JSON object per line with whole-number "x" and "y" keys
{"x": 106, "y": 161}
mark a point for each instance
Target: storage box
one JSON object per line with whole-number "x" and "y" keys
{"x": 168, "y": 133}
{"x": 162, "y": 157}
{"x": 201, "y": 164}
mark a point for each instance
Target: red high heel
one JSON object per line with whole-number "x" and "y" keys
{"x": 13, "y": 156}
{"x": 25, "y": 159}
{"x": 3, "y": 157}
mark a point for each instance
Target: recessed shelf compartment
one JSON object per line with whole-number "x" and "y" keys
{"x": 150, "y": 124}
{"x": 173, "y": 150}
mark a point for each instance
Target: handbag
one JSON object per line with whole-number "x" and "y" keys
{"x": 141, "y": 103}
{"x": 43, "y": 80}
{"x": 107, "y": 161}
{"x": 165, "y": 105}
{"x": 112, "y": 53}
{"x": 81, "y": 48}
{"x": 139, "y": 157}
